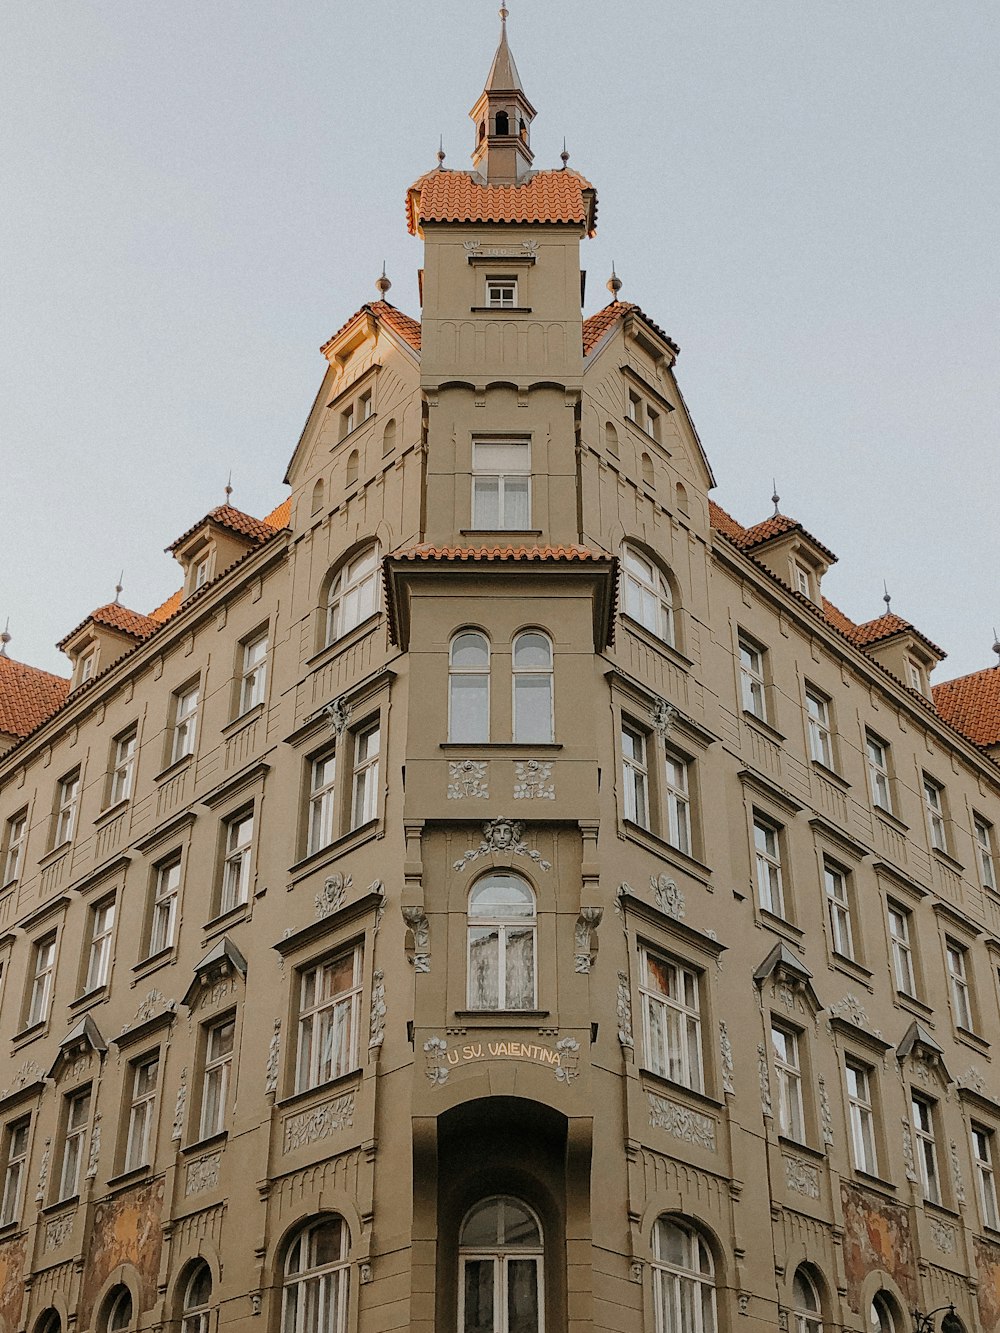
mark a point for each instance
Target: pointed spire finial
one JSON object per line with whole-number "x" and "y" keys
{"x": 887, "y": 597}
{"x": 614, "y": 283}
{"x": 441, "y": 153}
{"x": 504, "y": 12}
{"x": 775, "y": 497}
{"x": 564, "y": 155}
{"x": 119, "y": 587}
{"x": 996, "y": 644}
{"x": 382, "y": 284}
{"x": 229, "y": 486}
{"x": 5, "y": 638}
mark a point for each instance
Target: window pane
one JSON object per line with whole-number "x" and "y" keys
{"x": 469, "y": 720}
{"x": 484, "y": 967}
{"x": 479, "y": 1296}
{"x": 533, "y": 709}
{"x": 522, "y": 1295}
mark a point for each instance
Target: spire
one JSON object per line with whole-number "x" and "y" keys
{"x": 503, "y": 117}
{"x": 503, "y": 77}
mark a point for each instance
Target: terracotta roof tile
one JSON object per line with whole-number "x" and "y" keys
{"x": 971, "y": 704}
{"x": 725, "y": 523}
{"x": 457, "y": 196}
{"x": 120, "y": 618}
{"x": 597, "y": 325}
{"x": 233, "y": 519}
{"x": 168, "y": 608}
{"x": 405, "y": 326}
{"x": 27, "y": 696}
{"x": 491, "y": 553}
{"x": 838, "y": 620}
{"x": 281, "y": 516}
{"x": 885, "y": 627}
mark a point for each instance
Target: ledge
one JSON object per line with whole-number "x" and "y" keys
{"x": 173, "y": 768}
{"x": 110, "y": 811}
{"x": 500, "y": 309}
{"x": 947, "y": 860}
{"x": 125, "y": 1178}
{"x": 40, "y": 914}
{"x": 93, "y": 878}
{"x": 770, "y": 790}
{"x": 972, "y": 1039}
{"x": 500, "y": 534}
{"x": 333, "y": 851}
{"x": 244, "y": 720}
{"x": 914, "y": 1006}
{"x": 211, "y": 1141}
{"x": 852, "y": 968}
{"x": 697, "y": 939}
{"x": 29, "y": 1034}
{"x": 876, "y": 1183}
{"x": 165, "y": 831}
{"x": 256, "y": 772}
{"x": 355, "y": 430}
{"x": 797, "y": 1146}
{"x": 826, "y": 828}
{"x": 761, "y": 724}
{"x": 779, "y": 924}
{"x": 525, "y": 747}
{"x": 330, "y": 650}
{"x": 681, "y": 1089}
{"x": 503, "y": 1017}
{"x": 54, "y": 854}
{"x": 887, "y": 817}
{"x": 315, "y": 930}
{"x": 146, "y": 1028}
{"x": 643, "y": 632}
{"x": 666, "y": 851}
{"x": 830, "y": 774}
{"x": 226, "y": 919}
{"x": 351, "y": 1079}
{"x": 154, "y": 960}
{"x": 88, "y": 999}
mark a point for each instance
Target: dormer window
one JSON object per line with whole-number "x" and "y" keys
{"x": 201, "y": 571}
{"x": 501, "y": 293}
{"x": 88, "y": 665}
{"x": 915, "y": 677}
{"x": 803, "y": 579}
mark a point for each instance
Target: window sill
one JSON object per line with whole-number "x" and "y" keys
{"x": 153, "y": 962}
{"x": 947, "y": 860}
{"x": 762, "y": 725}
{"x": 501, "y": 309}
{"x": 831, "y": 775}
{"x": 10, "y": 884}
{"x": 972, "y": 1039}
{"x": 60, "y": 1205}
{"x": 224, "y": 920}
{"x": 889, "y": 818}
{"x": 54, "y": 854}
{"x": 244, "y": 720}
{"x": 130, "y": 1177}
{"x": 525, "y": 747}
{"x": 942, "y": 1209}
{"x": 650, "y": 637}
{"x": 347, "y": 640}
{"x": 851, "y": 968}
{"x": 173, "y": 768}
{"x": 333, "y": 851}
{"x": 210, "y": 1141}
{"x": 875, "y": 1182}
{"x": 111, "y": 812}
{"x": 667, "y": 852}
{"x": 509, "y": 1018}
{"x": 915, "y": 1006}
{"x": 321, "y": 1089}
{"x": 668, "y": 1084}
{"x": 796, "y": 1145}
{"x": 11, "y": 1229}
{"x": 353, "y": 431}
{"x": 778, "y": 924}
{"x": 29, "y": 1034}
{"x": 500, "y": 534}
{"x": 88, "y": 998}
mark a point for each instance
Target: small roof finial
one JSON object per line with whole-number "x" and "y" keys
{"x": 886, "y": 597}
{"x": 382, "y": 284}
{"x": 441, "y": 153}
{"x": 614, "y": 283}
{"x": 504, "y": 12}
{"x": 119, "y": 587}
{"x": 565, "y": 156}
{"x": 5, "y": 638}
{"x": 996, "y": 644}
{"x": 775, "y": 497}
{"x": 229, "y": 486}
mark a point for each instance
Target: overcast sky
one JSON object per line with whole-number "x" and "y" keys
{"x": 804, "y": 193}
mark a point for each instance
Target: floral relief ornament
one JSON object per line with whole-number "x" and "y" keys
{"x": 503, "y": 835}
{"x": 624, "y": 1007}
{"x": 376, "y": 1031}
{"x": 468, "y": 778}
{"x": 533, "y": 780}
{"x": 584, "y": 932}
{"x": 435, "y": 1053}
{"x": 419, "y": 927}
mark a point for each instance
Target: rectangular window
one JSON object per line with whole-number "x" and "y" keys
{"x": 752, "y": 678}
{"x": 862, "y": 1117}
{"x": 838, "y": 908}
{"x": 329, "y": 1013}
{"x": 322, "y": 808}
{"x": 678, "y": 804}
{"x": 636, "y": 785}
{"x": 902, "y": 950}
{"x": 43, "y": 966}
{"x": 364, "y": 803}
{"x": 122, "y": 767}
{"x": 820, "y": 737}
{"x": 200, "y": 572}
{"x": 788, "y": 1076}
{"x": 347, "y": 421}
{"x": 15, "y": 1168}
{"x": 102, "y": 926}
{"x": 878, "y": 771}
{"x": 652, "y": 422}
{"x": 915, "y": 675}
{"x": 501, "y": 293}
{"x": 13, "y": 856}
{"x": 634, "y": 407}
{"x": 501, "y": 484}
{"x": 254, "y": 674}
{"x": 958, "y": 984}
{"x": 67, "y": 801}
{"x": 219, "y": 1040}
{"x": 166, "y": 891}
{"x": 77, "y": 1113}
{"x": 672, "y": 1020}
{"x": 986, "y": 1185}
{"x": 934, "y": 810}
{"x": 803, "y": 579}
{"x": 926, "y": 1148}
{"x": 88, "y": 663}
{"x": 365, "y": 403}
{"x": 236, "y": 867}
{"x": 145, "y": 1075}
{"x": 767, "y": 853}
{"x": 185, "y": 722}
{"x": 984, "y": 850}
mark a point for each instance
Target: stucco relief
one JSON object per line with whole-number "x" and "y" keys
{"x": 29, "y": 1072}
{"x": 802, "y": 1177}
{"x": 57, "y": 1230}
{"x": 331, "y": 896}
{"x": 468, "y": 778}
{"x": 684, "y": 1124}
{"x": 376, "y": 1024}
{"x": 203, "y": 1173}
{"x": 825, "y": 1114}
{"x": 125, "y": 1230}
{"x": 943, "y": 1235}
{"x": 876, "y": 1235}
{"x": 584, "y": 941}
{"x": 726, "y": 1049}
{"x": 12, "y": 1281}
{"x": 624, "y": 1008}
{"x": 273, "y": 1055}
{"x": 419, "y": 928}
{"x": 988, "y": 1291}
{"x": 319, "y": 1123}
{"x": 534, "y": 780}
{"x": 502, "y": 835}
{"x": 669, "y": 897}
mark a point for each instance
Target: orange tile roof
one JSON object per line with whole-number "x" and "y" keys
{"x": 168, "y": 608}
{"x": 280, "y": 517}
{"x": 233, "y": 519}
{"x": 491, "y": 553}
{"x": 972, "y": 705}
{"x": 404, "y": 326}
{"x": 27, "y": 696}
{"x": 120, "y": 618}
{"x": 458, "y": 196}
{"x": 597, "y": 325}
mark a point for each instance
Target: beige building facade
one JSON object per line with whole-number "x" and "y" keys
{"x": 498, "y": 893}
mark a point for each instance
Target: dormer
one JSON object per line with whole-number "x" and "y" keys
{"x": 898, "y": 646}
{"x": 106, "y": 635}
{"x": 221, "y": 538}
{"x": 794, "y": 555}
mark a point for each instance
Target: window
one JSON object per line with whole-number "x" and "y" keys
{"x": 838, "y": 909}
{"x": 15, "y": 1169}
{"x": 17, "y": 836}
{"x": 902, "y": 950}
{"x": 958, "y": 983}
{"x": 43, "y": 966}
{"x": 254, "y": 674}
{"x": 364, "y": 803}
{"x": 501, "y": 484}
{"x": 752, "y": 678}
{"x": 197, "y": 1300}
{"x": 820, "y": 738}
{"x": 647, "y": 595}
{"x": 122, "y": 767}
{"x": 767, "y": 855}
{"x": 861, "y": 1111}
{"x": 678, "y": 803}
{"x": 915, "y": 675}
{"x": 365, "y": 405}
{"x": 934, "y": 810}
{"x": 67, "y": 800}
{"x": 77, "y": 1113}
{"x": 802, "y": 577}
{"x": 878, "y": 771}
{"x": 501, "y": 293}
{"x": 502, "y": 944}
{"x": 166, "y": 891}
{"x": 353, "y": 594}
{"x": 500, "y": 1259}
{"x": 634, "y": 407}
{"x": 185, "y": 722}
{"x": 683, "y": 1279}
{"x": 984, "y": 849}
{"x": 322, "y": 806}
{"x": 145, "y": 1075}
{"x": 88, "y": 662}
{"x": 317, "y": 1279}
{"x": 671, "y": 1012}
{"x": 353, "y": 463}
{"x": 329, "y": 1013}
{"x": 533, "y": 721}
{"x": 200, "y": 572}
{"x": 882, "y": 1314}
{"x": 215, "y": 1081}
{"x": 788, "y": 1076}
{"x": 636, "y": 785}
{"x": 644, "y": 416}
{"x": 119, "y": 1310}
{"x": 347, "y": 421}
{"x": 102, "y": 926}
{"x": 236, "y": 867}
{"x": 806, "y": 1310}
{"x": 986, "y": 1185}
{"x": 926, "y": 1147}
{"x": 469, "y": 688}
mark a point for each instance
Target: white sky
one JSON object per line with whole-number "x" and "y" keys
{"x": 804, "y": 193}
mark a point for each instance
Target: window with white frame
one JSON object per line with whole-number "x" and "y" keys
{"x": 366, "y": 405}
{"x": 43, "y": 968}
{"x": 915, "y": 675}
{"x": 88, "y": 666}
{"x": 185, "y": 722}
{"x": 767, "y": 858}
{"x": 983, "y": 831}
{"x": 957, "y": 962}
{"x": 364, "y": 786}
{"x": 925, "y": 1147}
{"x": 635, "y": 776}
{"x": 77, "y": 1119}
{"x": 317, "y": 1279}
{"x": 469, "y": 688}
{"x": 803, "y": 579}
{"x": 861, "y": 1110}
{"x": 348, "y": 420}
{"x": 501, "y": 484}
{"x": 820, "y": 733}
{"x": 15, "y": 1169}
{"x": 102, "y": 929}
{"x": 806, "y": 1309}
{"x": 329, "y": 1015}
{"x": 14, "y": 843}
{"x": 253, "y": 675}
{"x": 219, "y": 1039}
{"x": 533, "y": 689}
{"x": 322, "y": 802}
{"x": 501, "y": 293}
{"x": 934, "y": 810}
{"x": 788, "y": 1080}
{"x": 903, "y": 969}
{"x": 647, "y": 597}
{"x": 671, "y": 1009}
{"x": 752, "y": 685}
{"x": 878, "y": 771}
{"x": 67, "y": 804}
{"x": 683, "y": 1279}
{"x": 677, "y": 788}
{"x": 986, "y": 1185}
{"x": 201, "y": 570}
{"x": 838, "y": 906}
{"x": 502, "y": 944}
{"x": 144, "y": 1075}
{"x": 354, "y": 594}
{"x": 236, "y": 866}
{"x": 196, "y": 1306}
{"x": 123, "y": 767}
{"x": 500, "y": 1261}
{"x": 166, "y": 891}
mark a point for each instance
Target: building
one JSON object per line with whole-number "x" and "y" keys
{"x": 498, "y": 890}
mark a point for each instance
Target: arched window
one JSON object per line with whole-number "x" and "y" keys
{"x": 315, "y": 1288}
{"x": 533, "y": 716}
{"x": 118, "y": 1307}
{"x": 647, "y": 594}
{"x": 49, "y": 1323}
{"x": 503, "y": 123}
{"x": 197, "y": 1298}
{"x": 500, "y": 1278}
{"x": 317, "y": 497}
{"x": 648, "y": 475}
{"x": 469, "y": 688}
{"x": 482, "y": 130}
{"x": 352, "y": 467}
{"x": 882, "y": 1314}
{"x": 502, "y": 943}
{"x": 389, "y": 437}
{"x": 611, "y": 438}
{"x": 807, "y": 1312}
{"x": 353, "y": 594}
{"x": 683, "y": 1279}
{"x": 682, "y": 497}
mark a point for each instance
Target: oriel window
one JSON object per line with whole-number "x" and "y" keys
{"x": 533, "y": 692}
{"x": 501, "y": 484}
{"x": 469, "y": 688}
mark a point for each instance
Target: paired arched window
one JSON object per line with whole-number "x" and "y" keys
{"x": 807, "y": 1312}
{"x": 316, "y": 1279}
{"x": 647, "y": 596}
{"x": 197, "y": 1300}
{"x": 469, "y": 687}
{"x": 500, "y": 1262}
{"x": 533, "y": 693}
{"x": 502, "y": 943}
{"x": 683, "y": 1279}
{"x": 353, "y": 594}
{"x": 118, "y": 1311}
